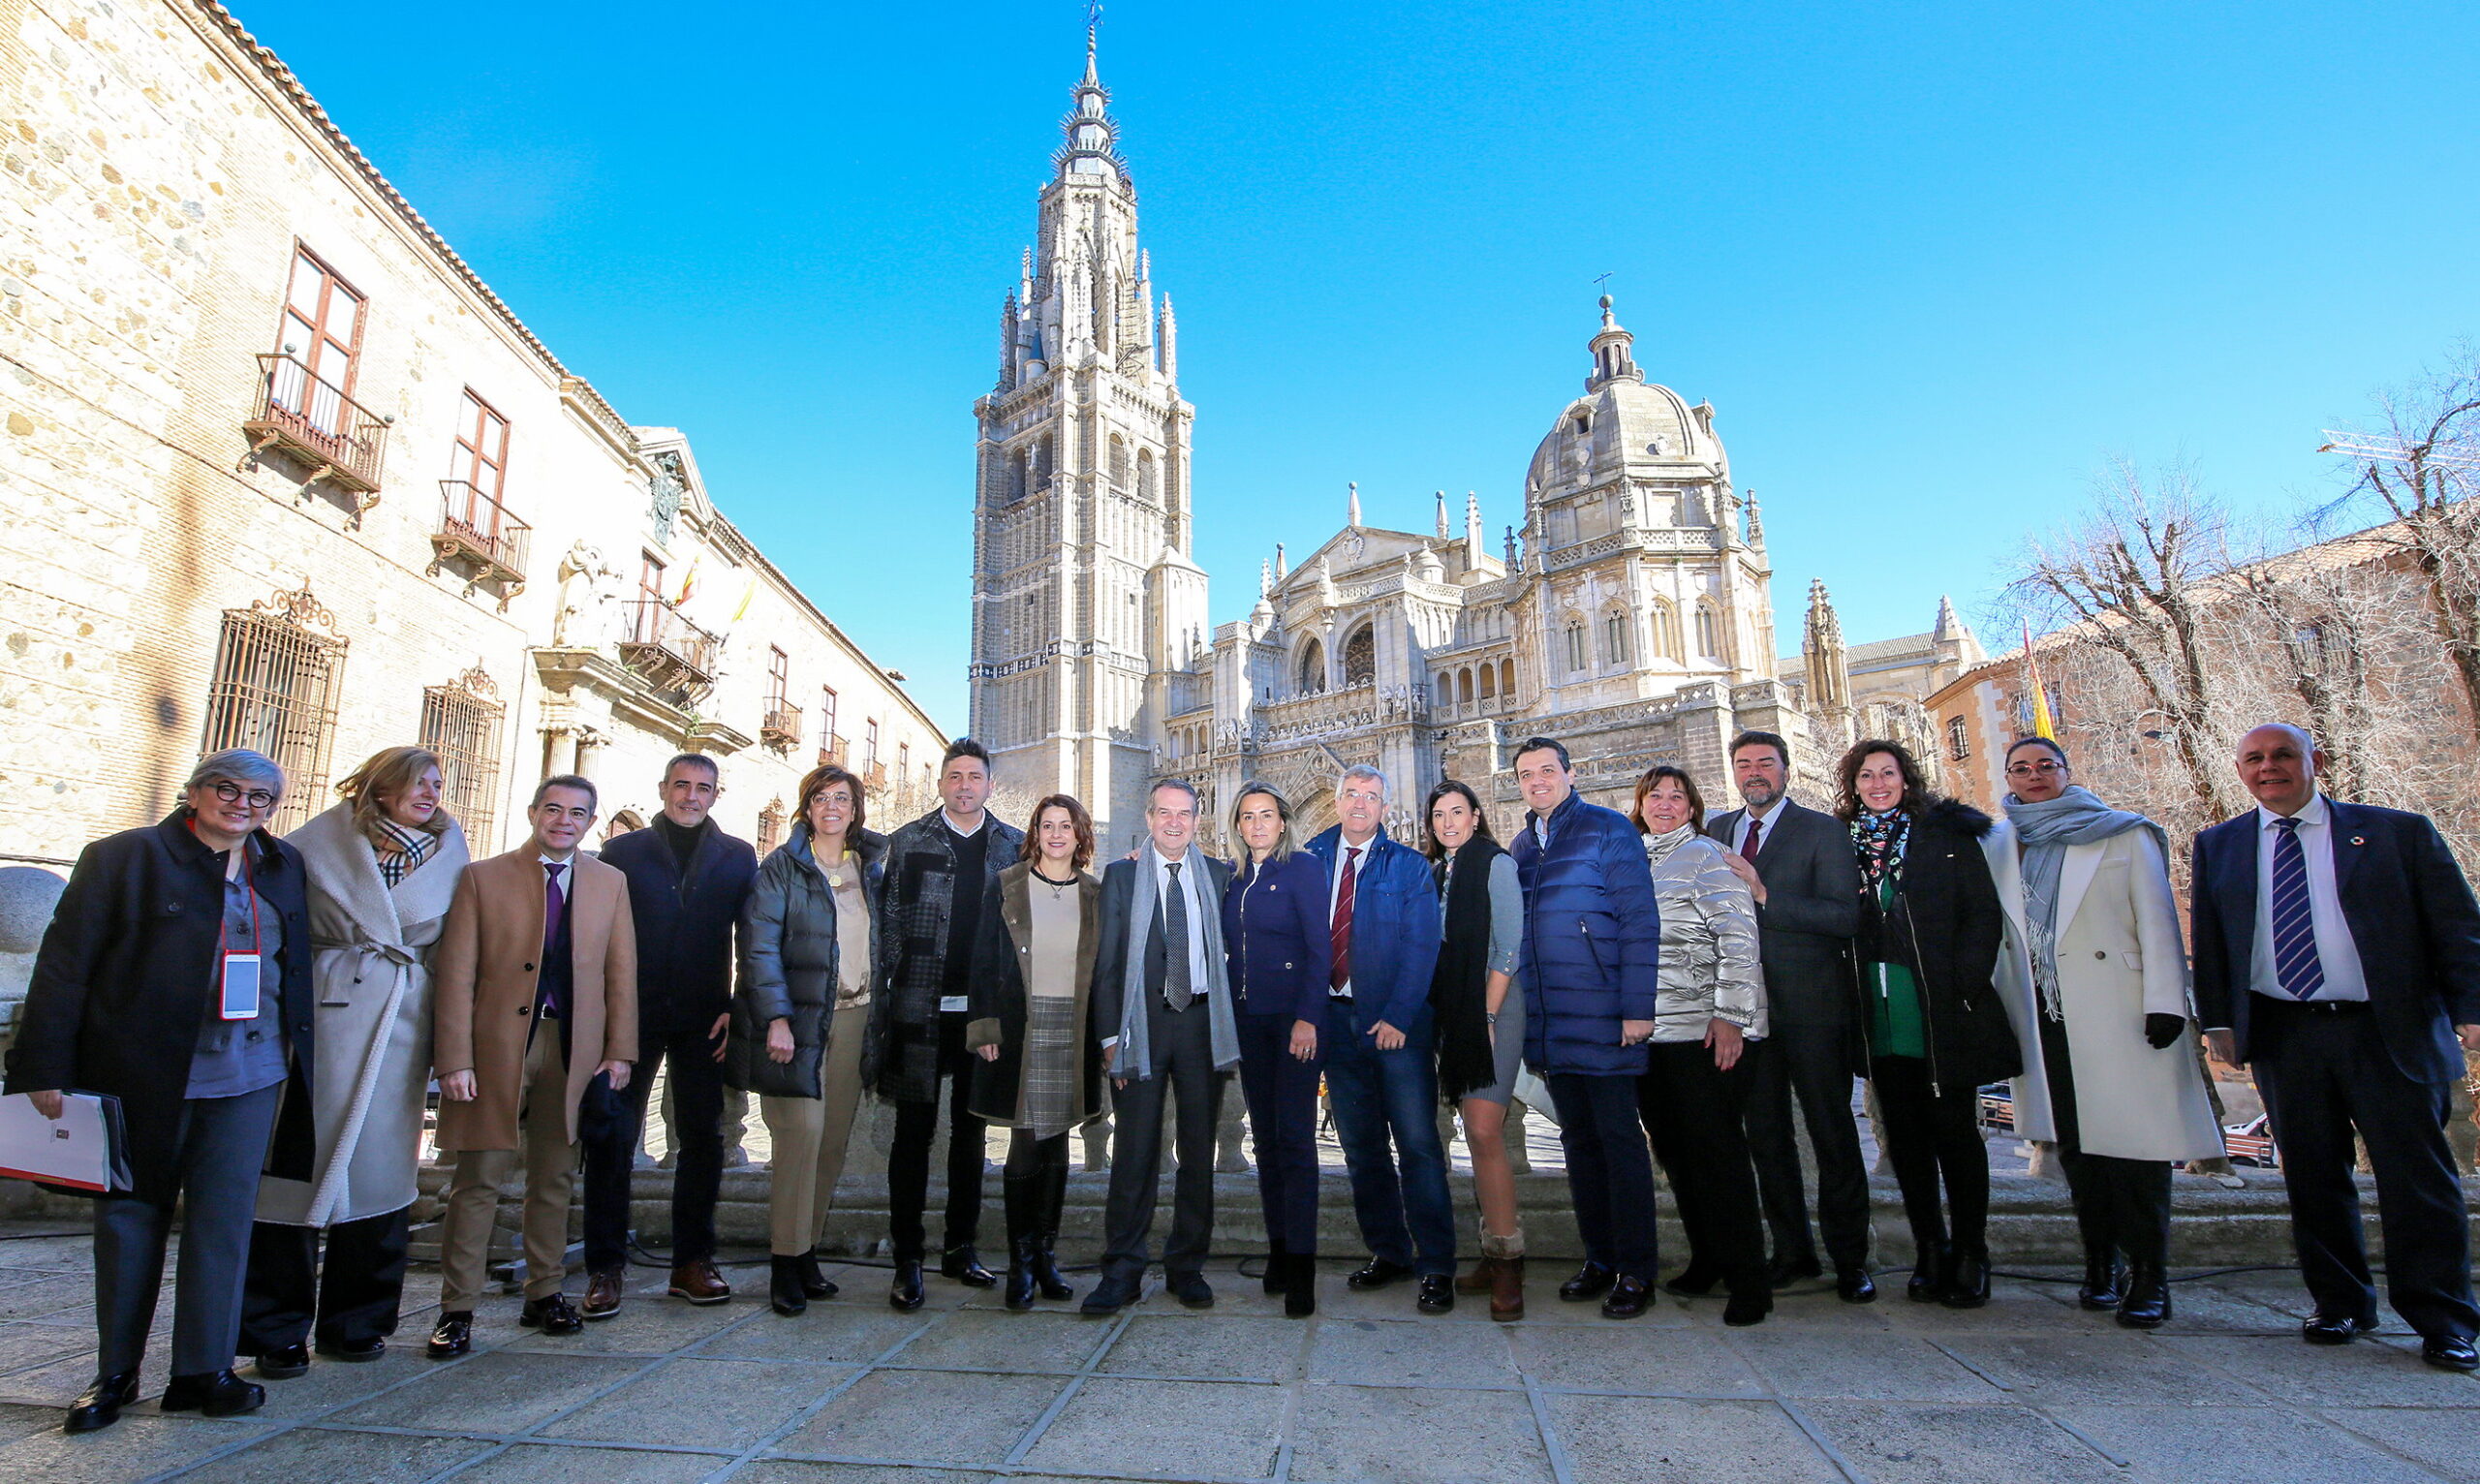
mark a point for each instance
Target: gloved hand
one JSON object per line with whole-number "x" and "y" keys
{"x": 2162, "y": 1030}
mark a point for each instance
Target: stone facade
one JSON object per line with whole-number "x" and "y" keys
{"x": 281, "y": 471}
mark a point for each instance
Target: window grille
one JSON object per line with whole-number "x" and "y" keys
{"x": 461, "y": 723}
{"x": 1360, "y": 658}
{"x": 1959, "y": 739}
{"x": 274, "y": 692}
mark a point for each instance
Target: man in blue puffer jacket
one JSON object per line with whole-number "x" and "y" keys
{"x": 1591, "y": 953}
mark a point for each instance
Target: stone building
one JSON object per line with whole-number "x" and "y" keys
{"x": 282, "y": 472}
{"x": 1630, "y": 616}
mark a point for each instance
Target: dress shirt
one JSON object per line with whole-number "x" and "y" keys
{"x": 2345, "y": 979}
{"x": 568, "y": 875}
{"x": 1344, "y": 862}
{"x": 1194, "y": 890}
{"x": 1764, "y": 819}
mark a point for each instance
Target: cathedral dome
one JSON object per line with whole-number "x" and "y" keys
{"x": 1623, "y": 426}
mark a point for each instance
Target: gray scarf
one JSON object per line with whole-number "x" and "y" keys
{"x": 2046, "y": 830}
{"x": 1135, "y": 1055}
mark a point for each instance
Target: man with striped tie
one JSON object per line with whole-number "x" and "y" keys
{"x": 2338, "y": 954}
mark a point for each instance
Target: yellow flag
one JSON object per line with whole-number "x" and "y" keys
{"x": 746, "y": 598}
{"x": 2042, "y": 725}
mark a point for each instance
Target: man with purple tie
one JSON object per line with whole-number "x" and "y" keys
{"x": 2338, "y": 954}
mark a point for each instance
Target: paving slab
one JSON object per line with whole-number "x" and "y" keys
{"x": 2120, "y": 1368}
{"x": 321, "y": 1456}
{"x": 135, "y": 1447}
{"x": 653, "y": 1327}
{"x": 1407, "y": 1352}
{"x": 940, "y": 1417}
{"x": 697, "y": 1403}
{"x": 535, "y": 1464}
{"x": 1993, "y": 1445}
{"x": 330, "y": 1384}
{"x": 838, "y": 1333}
{"x": 22, "y": 1346}
{"x": 1625, "y": 1440}
{"x": 1859, "y": 1366}
{"x": 786, "y": 1471}
{"x": 1619, "y": 1358}
{"x": 48, "y": 1297}
{"x": 2363, "y": 1373}
{"x": 2441, "y": 1439}
{"x": 1392, "y": 1436}
{"x": 996, "y": 1339}
{"x": 501, "y": 1392}
{"x": 1209, "y": 1347}
{"x": 1186, "y": 1429}
{"x": 2175, "y": 1445}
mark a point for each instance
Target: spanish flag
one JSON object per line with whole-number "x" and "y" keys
{"x": 2042, "y": 725}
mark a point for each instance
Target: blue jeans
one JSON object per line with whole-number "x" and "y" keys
{"x": 1384, "y": 1099}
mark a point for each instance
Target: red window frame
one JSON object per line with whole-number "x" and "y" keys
{"x": 480, "y": 462}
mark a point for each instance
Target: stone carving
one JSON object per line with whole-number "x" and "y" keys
{"x": 587, "y": 587}
{"x": 300, "y": 609}
{"x": 664, "y": 492}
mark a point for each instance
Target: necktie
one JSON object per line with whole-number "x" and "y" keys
{"x": 2296, "y": 968}
{"x": 555, "y": 907}
{"x": 1176, "y": 989}
{"x": 1340, "y": 934}
{"x": 1747, "y": 846}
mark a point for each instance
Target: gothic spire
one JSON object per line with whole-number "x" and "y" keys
{"x": 1442, "y": 515}
{"x": 1093, "y": 134}
{"x": 1613, "y": 351}
{"x": 1354, "y": 509}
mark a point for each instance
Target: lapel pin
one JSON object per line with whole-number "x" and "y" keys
{"x": 2359, "y": 840}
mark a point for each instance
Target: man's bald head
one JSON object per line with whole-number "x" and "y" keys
{"x": 2278, "y": 762}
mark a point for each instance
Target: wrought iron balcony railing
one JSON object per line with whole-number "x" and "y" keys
{"x": 476, "y": 533}
{"x": 781, "y": 728}
{"x": 668, "y": 649}
{"x": 310, "y": 419}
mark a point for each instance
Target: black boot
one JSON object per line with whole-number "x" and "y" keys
{"x": 814, "y": 1282}
{"x": 1930, "y": 1270}
{"x": 1019, "y": 1292}
{"x": 2147, "y": 1302}
{"x": 2100, "y": 1286}
{"x": 904, "y": 1293}
{"x": 1300, "y": 1285}
{"x": 1967, "y": 1280}
{"x": 1021, "y": 1193}
{"x": 1277, "y": 1267}
{"x": 785, "y": 1289}
{"x": 1054, "y": 1197}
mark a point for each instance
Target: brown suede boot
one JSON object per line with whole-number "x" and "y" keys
{"x": 1478, "y": 1278}
{"x": 1505, "y": 1258}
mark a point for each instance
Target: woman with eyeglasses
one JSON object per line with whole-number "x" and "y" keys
{"x": 1937, "y": 1027}
{"x": 176, "y": 977}
{"x": 2096, "y": 967}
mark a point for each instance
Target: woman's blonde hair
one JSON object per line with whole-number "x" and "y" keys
{"x": 1284, "y": 843}
{"x": 386, "y": 775}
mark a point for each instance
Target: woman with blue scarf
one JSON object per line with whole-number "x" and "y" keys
{"x": 2093, "y": 964}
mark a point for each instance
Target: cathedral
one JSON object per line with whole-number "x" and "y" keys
{"x": 1629, "y": 615}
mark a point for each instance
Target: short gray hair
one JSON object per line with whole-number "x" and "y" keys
{"x": 2298, "y": 734}
{"x": 584, "y": 786}
{"x": 237, "y": 766}
{"x": 1365, "y": 771}
{"x": 1181, "y": 784}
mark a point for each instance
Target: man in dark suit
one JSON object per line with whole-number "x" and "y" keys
{"x": 687, "y": 882}
{"x": 2338, "y": 954}
{"x": 1162, "y": 1007}
{"x": 1800, "y": 865}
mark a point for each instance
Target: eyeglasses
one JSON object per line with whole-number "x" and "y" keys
{"x": 234, "y": 793}
{"x": 2034, "y": 769}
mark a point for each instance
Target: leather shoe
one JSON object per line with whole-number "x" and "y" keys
{"x": 1109, "y": 1296}
{"x": 2450, "y": 1352}
{"x": 99, "y": 1405}
{"x": 2100, "y": 1288}
{"x": 1438, "y": 1293}
{"x": 1627, "y": 1300}
{"x": 1695, "y": 1280}
{"x": 1479, "y": 1278}
{"x": 1591, "y": 1281}
{"x": 215, "y": 1393}
{"x": 1747, "y": 1306}
{"x": 2332, "y": 1329}
{"x": 1854, "y": 1285}
{"x": 1930, "y": 1274}
{"x": 1968, "y": 1286}
{"x": 1376, "y": 1273}
{"x": 603, "y": 1292}
{"x": 285, "y": 1362}
{"x": 906, "y": 1293}
{"x": 363, "y": 1351}
{"x": 1191, "y": 1290}
{"x": 552, "y": 1315}
{"x": 698, "y": 1281}
{"x": 964, "y": 1266}
{"x": 2145, "y": 1302}
{"x": 783, "y": 1292}
{"x": 1787, "y": 1271}
{"x": 814, "y": 1282}
{"x": 452, "y": 1336}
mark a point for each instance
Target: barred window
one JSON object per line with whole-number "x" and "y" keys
{"x": 1959, "y": 739}
{"x": 274, "y": 692}
{"x": 461, "y": 723}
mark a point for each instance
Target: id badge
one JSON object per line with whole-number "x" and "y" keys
{"x": 241, "y": 986}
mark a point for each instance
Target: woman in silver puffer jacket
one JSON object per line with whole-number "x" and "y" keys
{"x": 1711, "y": 1000}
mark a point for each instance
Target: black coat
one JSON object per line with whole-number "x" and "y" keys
{"x": 1004, "y": 941}
{"x": 791, "y": 961}
{"x": 685, "y": 924}
{"x": 1811, "y": 909}
{"x": 125, "y": 976}
{"x": 1945, "y": 927}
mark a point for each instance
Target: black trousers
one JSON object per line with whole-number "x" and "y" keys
{"x": 1282, "y": 1092}
{"x": 1693, "y": 1111}
{"x": 2323, "y": 1075}
{"x": 1183, "y": 1065}
{"x": 1610, "y": 1173}
{"x": 917, "y": 1125}
{"x": 697, "y": 1172}
{"x": 353, "y": 1298}
{"x": 2121, "y": 1204}
{"x": 1929, "y": 1137}
{"x": 1812, "y": 1065}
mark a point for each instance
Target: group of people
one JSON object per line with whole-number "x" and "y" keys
{"x": 271, "y": 1014}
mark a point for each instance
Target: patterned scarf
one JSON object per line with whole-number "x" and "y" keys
{"x": 1881, "y": 839}
{"x": 401, "y": 852}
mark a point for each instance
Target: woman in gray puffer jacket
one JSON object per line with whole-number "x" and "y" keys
{"x": 800, "y": 1016}
{"x": 1711, "y": 1002}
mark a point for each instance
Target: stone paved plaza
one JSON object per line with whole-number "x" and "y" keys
{"x": 962, "y": 1392}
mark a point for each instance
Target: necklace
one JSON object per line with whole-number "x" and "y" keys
{"x": 1058, "y": 889}
{"x": 834, "y": 875}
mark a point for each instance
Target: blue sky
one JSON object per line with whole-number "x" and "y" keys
{"x": 1933, "y": 264}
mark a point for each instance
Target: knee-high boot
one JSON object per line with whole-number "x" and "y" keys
{"x": 1054, "y": 1199}
{"x": 1024, "y": 1193}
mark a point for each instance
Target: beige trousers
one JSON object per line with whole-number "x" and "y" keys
{"x": 550, "y": 1172}
{"x": 810, "y": 1134}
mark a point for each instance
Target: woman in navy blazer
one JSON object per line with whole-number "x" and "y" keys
{"x": 1274, "y": 935}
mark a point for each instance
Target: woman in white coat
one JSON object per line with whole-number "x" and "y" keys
{"x": 2096, "y": 980}
{"x": 383, "y": 867}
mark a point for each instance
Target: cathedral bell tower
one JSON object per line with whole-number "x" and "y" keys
{"x": 1084, "y": 596}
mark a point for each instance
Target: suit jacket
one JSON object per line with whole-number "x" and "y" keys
{"x": 1109, "y": 998}
{"x": 2410, "y": 913}
{"x": 1811, "y": 910}
{"x": 489, "y": 964}
{"x": 1395, "y": 932}
{"x": 684, "y": 924}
